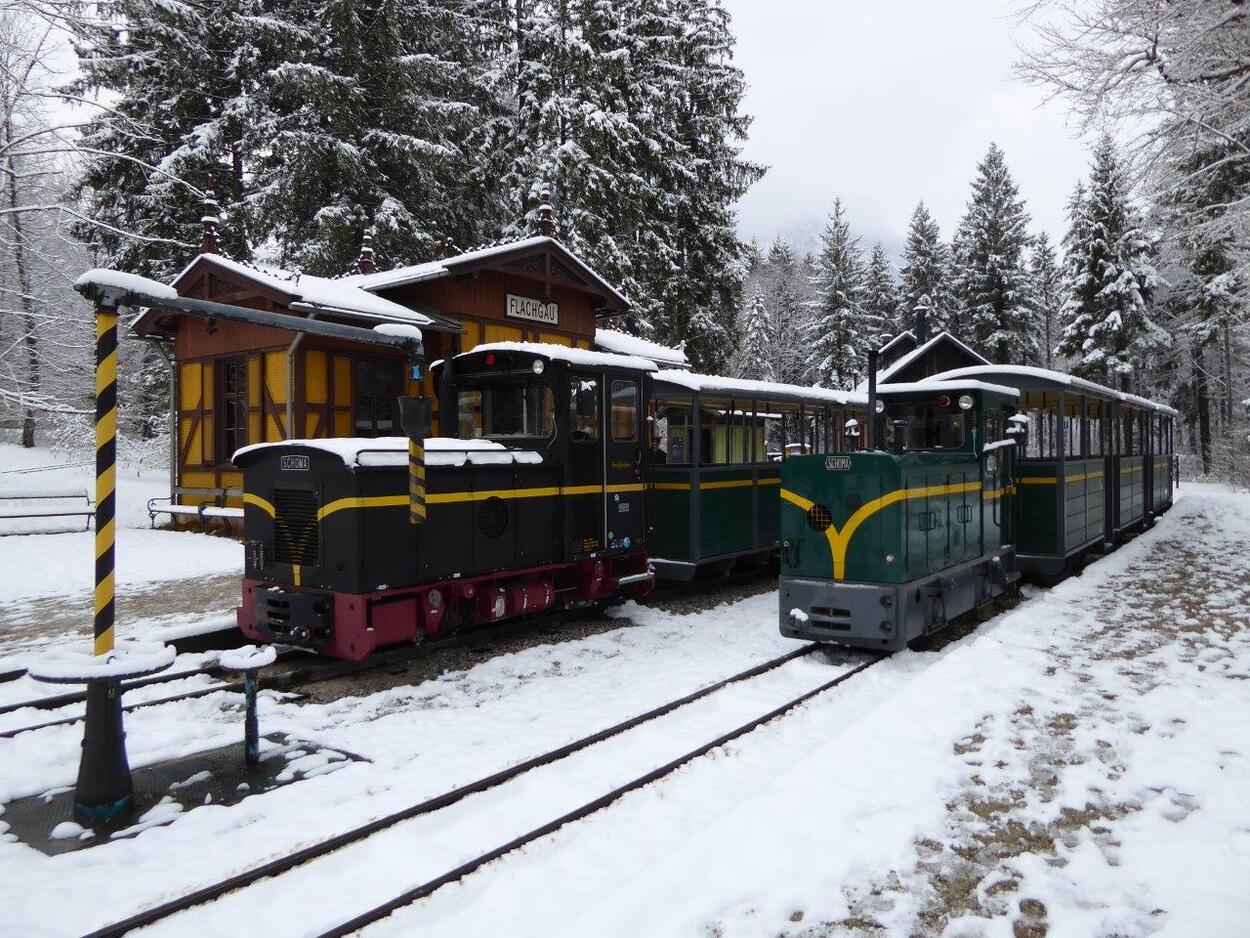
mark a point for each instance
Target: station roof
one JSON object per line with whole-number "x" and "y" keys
{"x": 885, "y": 374}
{"x": 717, "y": 384}
{"x": 1026, "y": 377}
{"x": 301, "y": 293}
{"x": 491, "y": 256}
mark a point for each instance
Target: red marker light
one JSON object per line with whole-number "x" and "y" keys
{"x": 944, "y": 401}
{"x": 490, "y": 359}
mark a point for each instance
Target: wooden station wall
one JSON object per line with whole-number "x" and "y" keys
{"x": 323, "y": 370}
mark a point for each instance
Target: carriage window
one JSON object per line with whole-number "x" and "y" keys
{"x": 624, "y": 411}
{"x": 506, "y": 409}
{"x": 584, "y": 410}
{"x": 672, "y": 429}
{"x": 928, "y": 426}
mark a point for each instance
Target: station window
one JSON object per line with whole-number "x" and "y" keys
{"x": 672, "y": 430}
{"x": 375, "y": 387}
{"x": 584, "y": 410}
{"x": 624, "y": 411}
{"x": 232, "y": 380}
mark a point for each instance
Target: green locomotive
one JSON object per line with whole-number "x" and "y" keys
{"x": 883, "y": 546}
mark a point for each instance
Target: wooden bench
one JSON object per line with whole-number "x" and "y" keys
{"x": 36, "y": 504}
{"x": 211, "y": 505}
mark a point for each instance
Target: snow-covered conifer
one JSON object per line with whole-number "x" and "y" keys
{"x": 1106, "y": 320}
{"x": 925, "y": 271}
{"x": 992, "y": 289}
{"x": 881, "y": 303}
{"x": 1047, "y": 287}
{"x": 839, "y": 330}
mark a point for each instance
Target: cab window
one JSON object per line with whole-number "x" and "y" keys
{"x": 928, "y": 426}
{"x": 584, "y": 410}
{"x": 507, "y": 409}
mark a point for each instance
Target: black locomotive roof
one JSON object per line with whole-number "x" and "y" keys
{"x": 576, "y": 357}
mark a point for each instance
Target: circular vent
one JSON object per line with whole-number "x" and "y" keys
{"x": 853, "y": 501}
{"x": 818, "y": 518}
{"x": 492, "y": 517}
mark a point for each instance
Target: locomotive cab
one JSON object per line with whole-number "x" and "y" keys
{"x": 883, "y": 546}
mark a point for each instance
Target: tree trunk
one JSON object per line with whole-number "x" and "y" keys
{"x": 1229, "y": 413}
{"x": 29, "y": 339}
{"x": 1203, "y": 401}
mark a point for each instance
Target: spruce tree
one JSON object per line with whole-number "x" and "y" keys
{"x": 881, "y": 302}
{"x": 754, "y": 357}
{"x": 924, "y": 274}
{"x": 1107, "y": 327}
{"x": 992, "y": 289}
{"x": 839, "y": 330}
{"x": 786, "y": 284}
{"x": 1047, "y": 286}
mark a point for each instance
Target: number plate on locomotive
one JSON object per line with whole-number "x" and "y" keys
{"x": 838, "y": 463}
{"x": 293, "y": 463}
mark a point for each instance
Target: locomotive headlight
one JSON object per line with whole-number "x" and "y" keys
{"x": 965, "y": 402}
{"x": 889, "y": 558}
{"x": 538, "y": 366}
{"x": 435, "y": 597}
{"x": 880, "y": 406}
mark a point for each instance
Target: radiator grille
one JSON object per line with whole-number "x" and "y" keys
{"x": 295, "y": 520}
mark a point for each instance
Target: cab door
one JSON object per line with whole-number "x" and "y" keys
{"x": 623, "y": 432}
{"x": 583, "y": 492}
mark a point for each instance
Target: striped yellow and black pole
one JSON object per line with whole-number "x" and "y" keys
{"x": 414, "y": 417}
{"x": 416, "y": 481}
{"x": 105, "y": 473}
{"x": 104, "y": 789}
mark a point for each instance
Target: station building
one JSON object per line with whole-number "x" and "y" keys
{"x": 236, "y": 383}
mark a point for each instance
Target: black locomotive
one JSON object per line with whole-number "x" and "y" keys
{"x": 541, "y": 505}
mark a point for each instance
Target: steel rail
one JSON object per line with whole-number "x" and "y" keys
{"x": 331, "y": 844}
{"x": 316, "y": 672}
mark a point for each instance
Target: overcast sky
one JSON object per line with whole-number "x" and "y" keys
{"x": 885, "y": 103}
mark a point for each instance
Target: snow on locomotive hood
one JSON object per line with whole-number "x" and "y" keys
{"x": 393, "y": 451}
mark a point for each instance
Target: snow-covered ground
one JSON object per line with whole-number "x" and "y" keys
{"x": 46, "y": 579}
{"x": 1076, "y": 767}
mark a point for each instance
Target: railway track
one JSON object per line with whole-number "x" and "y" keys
{"x": 331, "y": 845}
{"x": 321, "y": 670}
{"x": 315, "y": 671}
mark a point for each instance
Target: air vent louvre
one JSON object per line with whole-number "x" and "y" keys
{"x": 295, "y": 519}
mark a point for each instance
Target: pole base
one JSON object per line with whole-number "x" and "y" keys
{"x": 104, "y": 790}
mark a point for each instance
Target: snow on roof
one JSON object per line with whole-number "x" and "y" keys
{"x": 432, "y": 270}
{"x": 104, "y": 277}
{"x": 574, "y": 356}
{"x": 1056, "y": 377}
{"x": 612, "y": 341}
{"x": 317, "y": 293}
{"x": 720, "y": 384}
{"x": 393, "y": 451}
{"x": 934, "y": 385}
{"x": 884, "y": 375}
{"x": 905, "y": 334}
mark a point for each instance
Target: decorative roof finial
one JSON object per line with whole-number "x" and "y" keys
{"x": 546, "y": 214}
{"x": 365, "y": 263}
{"x": 210, "y": 242}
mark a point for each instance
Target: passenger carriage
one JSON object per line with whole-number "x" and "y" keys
{"x": 881, "y": 547}
{"x": 714, "y": 463}
{"x": 1113, "y": 452}
{"x": 540, "y": 505}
